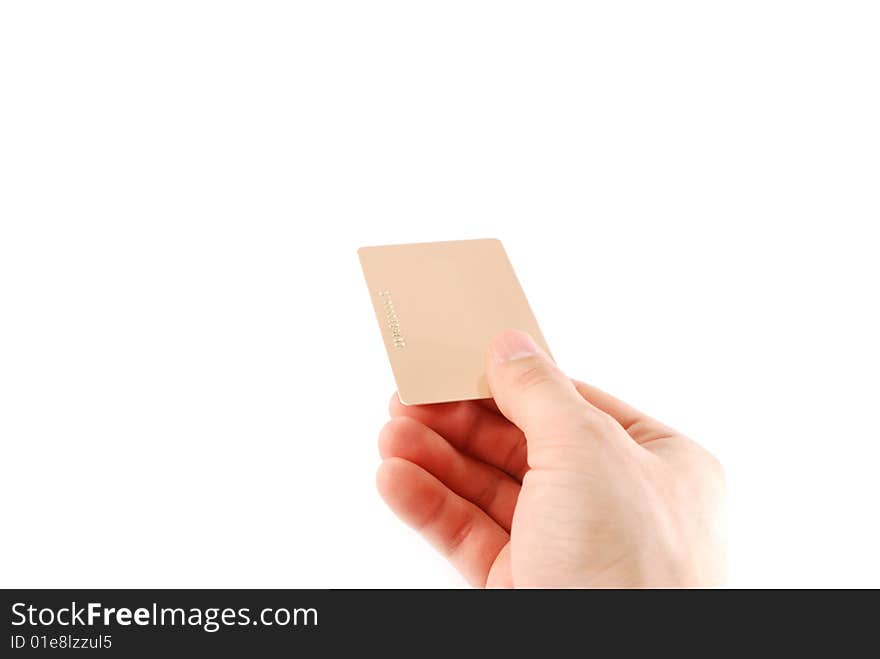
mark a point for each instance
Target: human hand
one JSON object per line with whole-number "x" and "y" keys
{"x": 553, "y": 484}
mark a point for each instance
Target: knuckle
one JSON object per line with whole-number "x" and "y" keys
{"x": 486, "y": 496}
{"x": 530, "y": 376}
{"x": 459, "y": 536}
{"x": 432, "y": 516}
{"x": 596, "y": 422}
{"x": 606, "y": 421}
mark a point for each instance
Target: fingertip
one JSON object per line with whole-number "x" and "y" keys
{"x": 509, "y": 345}
{"x": 386, "y": 440}
{"x": 394, "y": 405}
{"x": 397, "y": 407}
{"x": 407, "y": 489}
{"x": 389, "y": 473}
{"x": 466, "y": 535}
{"x": 392, "y": 435}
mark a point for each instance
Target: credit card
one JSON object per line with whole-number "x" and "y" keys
{"x": 438, "y": 304}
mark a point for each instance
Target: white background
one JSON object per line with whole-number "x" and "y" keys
{"x": 191, "y": 377}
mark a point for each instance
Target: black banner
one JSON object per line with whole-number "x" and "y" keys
{"x": 260, "y": 622}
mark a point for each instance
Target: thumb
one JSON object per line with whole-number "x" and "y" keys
{"x": 531, "y": 391}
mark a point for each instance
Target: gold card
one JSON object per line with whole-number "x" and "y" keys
{"x": 438, "y": 304}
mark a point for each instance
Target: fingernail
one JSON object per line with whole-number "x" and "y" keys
{"x": 511, "y": 345}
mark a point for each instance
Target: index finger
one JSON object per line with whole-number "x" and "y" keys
{"x": 638, "y": 425}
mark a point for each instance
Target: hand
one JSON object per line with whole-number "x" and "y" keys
{"x": 554, "y": 484}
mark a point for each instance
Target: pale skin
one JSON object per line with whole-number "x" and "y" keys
{"x": 553, "y": 483}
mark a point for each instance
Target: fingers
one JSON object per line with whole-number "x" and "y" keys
{"x": 474, "y": 430}
{"x": 640, "y": 427}
{"x": 488, "y": 488}
{"x": 535, "y": 395}
{"x": 463, "y": 533}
